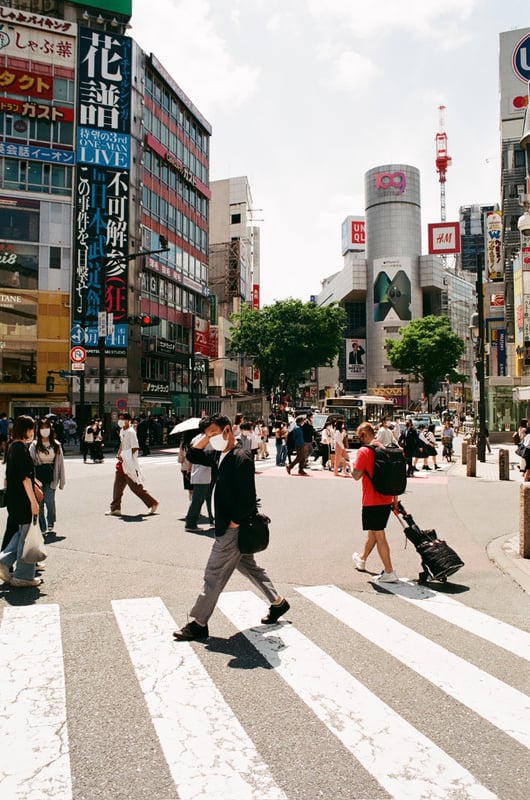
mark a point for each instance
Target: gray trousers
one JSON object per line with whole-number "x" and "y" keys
{"x": 224, "y": 559}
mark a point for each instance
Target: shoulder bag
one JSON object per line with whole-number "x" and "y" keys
{"x": 253, "y": 535}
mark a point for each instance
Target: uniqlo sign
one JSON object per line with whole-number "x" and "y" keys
{"x": 444, "y": 238}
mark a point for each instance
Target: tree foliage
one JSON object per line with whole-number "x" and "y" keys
{"x": 428, "y": 349}
{"x": 288, "y": 337}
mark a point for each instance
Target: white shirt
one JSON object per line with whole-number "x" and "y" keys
{"x": 128, "y": 438}
{"x": 385, "y": 436}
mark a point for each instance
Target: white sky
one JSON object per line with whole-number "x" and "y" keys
{"x": 304, "y": 96}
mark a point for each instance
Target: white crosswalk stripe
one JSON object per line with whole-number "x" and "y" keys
{"x": 405, "y": 762}
{"x": 34, "y": 760}
{"x": 209, "y": 750}
{"x": 495, "y": 631}
{"x": 487, "y": 696}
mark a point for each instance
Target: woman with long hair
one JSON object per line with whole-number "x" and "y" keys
{"x": 342, "y": 458}
{"x": 22, "y": 504}
{"x": 47, "y": 455}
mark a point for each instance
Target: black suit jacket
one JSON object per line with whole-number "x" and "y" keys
{"x": 233, "y": 479}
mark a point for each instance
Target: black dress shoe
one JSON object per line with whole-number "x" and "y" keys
{"x": 192, "y": 632}
{"x": 275, "y": 612}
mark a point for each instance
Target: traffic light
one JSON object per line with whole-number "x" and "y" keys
{"x": 147, "y": 320}
{"x": 50, "y": 383}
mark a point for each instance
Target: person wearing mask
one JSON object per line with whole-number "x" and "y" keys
{"x": 410, "y": 443}
{"x": 385, "y": 435}
{"x": 128, "y": 470}
{"x": 200, "y": 479}
{"x": 47, "y": 456}
{"x": 234, "y": 494}
{"x": 22, "y": 504}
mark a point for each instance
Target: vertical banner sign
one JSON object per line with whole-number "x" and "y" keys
{"x": 355, "y": 359}
{"x": 102, "y": 185}
{"x": 501, "y": 352}
{"x": 493, "y": 247}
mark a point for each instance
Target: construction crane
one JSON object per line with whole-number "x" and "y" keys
{"x": 442, "y": 161}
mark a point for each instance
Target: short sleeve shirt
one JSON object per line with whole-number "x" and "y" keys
{"x": 365, "y": 462}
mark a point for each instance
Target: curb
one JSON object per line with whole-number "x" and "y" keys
{"x": 504, "y": 554}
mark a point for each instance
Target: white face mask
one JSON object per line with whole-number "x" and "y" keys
{"x": 218, "y": 442}
{"x": 45, "y": 432}
{"x": 121, "y": 423}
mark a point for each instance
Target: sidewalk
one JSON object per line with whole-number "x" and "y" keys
{"x": 504, "y": 551}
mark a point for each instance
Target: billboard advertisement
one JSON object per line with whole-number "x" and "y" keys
{"x": 392, "y": 289}
{"x": 353, "y": 235}
{"x": 444, "y": 238}
{"x": 355, "y": 359}
{"x": 102, "y": 185}
{"x": 514, "y": 72}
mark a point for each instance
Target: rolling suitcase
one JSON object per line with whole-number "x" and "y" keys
{"x": 438, "y": 560}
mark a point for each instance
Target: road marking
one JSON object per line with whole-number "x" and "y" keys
{"x": 207, "y": 750}
{"x": 404, "y": 761}
{"x": 34, "y": 753}
{"x": 492, "y": 630}
{"x": 495, "y": 701}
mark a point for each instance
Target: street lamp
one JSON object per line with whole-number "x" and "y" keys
{"x": 476, "y": 329}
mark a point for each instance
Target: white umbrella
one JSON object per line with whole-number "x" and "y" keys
{"x": 187, "y": 425}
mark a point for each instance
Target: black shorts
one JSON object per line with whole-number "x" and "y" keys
{"x": 375, "y": 518}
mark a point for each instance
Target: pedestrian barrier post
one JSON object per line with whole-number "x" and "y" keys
{"x": 471, "y": 463}
{"x": 465, "y": 443}
{"x": 524, "y": 520}
{"x": 504, "y": 465}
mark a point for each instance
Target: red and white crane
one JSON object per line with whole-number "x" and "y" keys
{"x": 442, "y": 161}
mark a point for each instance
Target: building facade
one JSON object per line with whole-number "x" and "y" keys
{"x": 234, "y": 269}
{"x": 102, "y": 158}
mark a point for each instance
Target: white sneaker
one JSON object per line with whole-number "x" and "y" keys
{"x": 387, "y": 577}
{"x": 358, "y": 562}
{"x": 116, "y": 513}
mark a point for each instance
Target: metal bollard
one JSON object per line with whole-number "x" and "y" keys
{"x": 524, "y": 520}
{"x": 471, "y": 463}
{"x": 504, "y": 465}
{"x": 465, "y": 442}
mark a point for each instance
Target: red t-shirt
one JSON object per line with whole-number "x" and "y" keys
{"x": 365, "y": 461}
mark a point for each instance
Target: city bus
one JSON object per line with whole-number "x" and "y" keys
{"x": 359, "y": 408}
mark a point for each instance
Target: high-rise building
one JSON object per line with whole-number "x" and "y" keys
{"x": 102, "y": 158}
{"x": 234, "y": 279}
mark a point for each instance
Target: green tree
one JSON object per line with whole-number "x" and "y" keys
{"x": 428, "y": 349}
{"x": 288, "y": 338}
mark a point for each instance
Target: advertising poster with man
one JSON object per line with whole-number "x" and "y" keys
{"x": 355, "y": 359}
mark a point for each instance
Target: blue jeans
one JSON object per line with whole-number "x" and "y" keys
{"x": 13, "y": 552}
{"x": 201, "y": 493}
{"x": 49, "y": 502}
{"x": 281, "y": 453}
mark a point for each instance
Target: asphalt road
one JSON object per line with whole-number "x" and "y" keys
{"x": 360, "y": 693}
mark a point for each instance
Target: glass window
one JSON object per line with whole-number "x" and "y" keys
{"x": 63, "y": 90}
{"x": 19, "y": 224}
{"x": 518, "y": 158}
{"x": 55, "y": 258}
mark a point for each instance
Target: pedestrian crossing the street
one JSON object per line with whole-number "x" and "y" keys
{"x": 211, "y": 753}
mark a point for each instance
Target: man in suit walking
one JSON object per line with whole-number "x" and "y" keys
{"x": 234, "y": 494}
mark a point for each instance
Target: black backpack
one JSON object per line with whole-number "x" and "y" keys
{"x": 390, "y": 469}
{"x": 290, "y": 441}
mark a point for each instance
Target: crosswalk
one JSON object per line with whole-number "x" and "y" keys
{"x": 211, "y": 752}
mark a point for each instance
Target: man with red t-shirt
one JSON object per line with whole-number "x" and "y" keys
{"x": 376, "y": 507}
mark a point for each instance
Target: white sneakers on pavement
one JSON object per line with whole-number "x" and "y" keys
{"x": 358, "y": 562}
{"x": 387, "y": 577}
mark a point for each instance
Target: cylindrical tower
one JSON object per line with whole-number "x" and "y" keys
{"x": 393, "y": 248}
